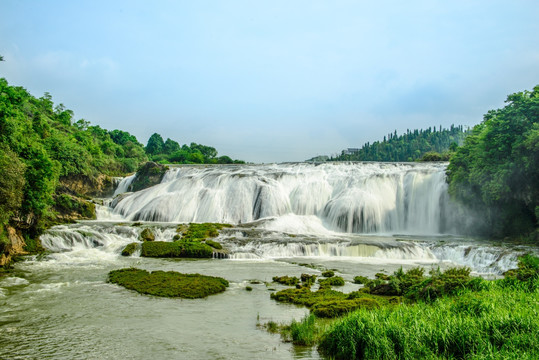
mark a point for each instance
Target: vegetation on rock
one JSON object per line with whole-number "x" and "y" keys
{"x": 169, "y": 283}
{"x": 148, "y": 174}
{"x": 179, "y": 249}
{"x": 129, "y": 249}
{"x": 286, "y": 280}
{"x": 146, "y": 235}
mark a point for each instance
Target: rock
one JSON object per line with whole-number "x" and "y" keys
{"x": 148, "y": 175}
{"x": 147, "y": 235}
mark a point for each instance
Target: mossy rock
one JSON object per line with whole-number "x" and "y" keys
{"x": 214, "y": 244}
{"x": 328, "y": 273}
{"x": 176, "y": 249}
{"x": 147, "y": 235}
{"x": 331, "y": 281}
{"x": 149, "y": 174}
{"x": 198, "y": 232}
{"x": 169, "y": 283}
{"x": 129, "y": 249}
{"x": 307, "y": 279}
{"x": 286, "y": 280}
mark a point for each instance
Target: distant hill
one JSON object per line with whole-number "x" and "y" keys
{"x": 430, "y": 145}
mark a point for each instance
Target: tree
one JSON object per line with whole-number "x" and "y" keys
{"x": 497, "y": 169}
{"x": 170, "y": 146}
{"x": 155, "y": 144}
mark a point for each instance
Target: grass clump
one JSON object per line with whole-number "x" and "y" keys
{"x": 328, "y": 273}
{"x": 129, "y": 249}
{"x": 168, "y": 284}
{"x": 286, "y": 280}
{"x": 328, "y": 303}
{"x": 307, "y": 280}
{"x": 176, "y": 249}
{"x": 331, "y": 281}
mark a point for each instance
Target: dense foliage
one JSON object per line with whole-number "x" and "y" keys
{"x": 447, "y": 315}
{"x": 497, "y": 169}
{"x": 170, "y": 152}
{"x": 411, "y": 146}
{"x": 41, "y": 144}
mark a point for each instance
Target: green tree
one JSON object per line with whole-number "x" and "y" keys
{"x": 497, "y": 168}
{"x": 155, "y": 144}
{"x": 170, "y": 146}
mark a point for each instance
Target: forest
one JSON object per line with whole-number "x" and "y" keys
{"x": 496, "y": 171}
{"x": 427, "y": 145}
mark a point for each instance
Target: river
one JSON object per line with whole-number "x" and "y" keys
{"x": 288, "y": 219}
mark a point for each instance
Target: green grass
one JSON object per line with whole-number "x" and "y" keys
{"x": 175, "y": 249}
{"x": 198, "y": 232}
{"x": 168, "y": 284}
{"x": 331, "y": 281}
{"x": 491, "y": 323}
{"x": 446, "y": 315}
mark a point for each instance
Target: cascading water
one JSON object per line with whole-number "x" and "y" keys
{"x": 354, "y": 198}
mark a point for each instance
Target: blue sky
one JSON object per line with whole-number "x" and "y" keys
{"x": 272, "y": 81}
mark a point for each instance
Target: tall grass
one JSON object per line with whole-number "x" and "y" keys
{"x": 490, "y": 324}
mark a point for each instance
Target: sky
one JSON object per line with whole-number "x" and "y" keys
{"x": 272, "y": 81}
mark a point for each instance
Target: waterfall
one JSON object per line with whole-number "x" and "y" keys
{"x": 353, "y": 197}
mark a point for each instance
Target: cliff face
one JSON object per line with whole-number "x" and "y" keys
{"x": 15, "y": 246}
{"x": 99, "y": 186}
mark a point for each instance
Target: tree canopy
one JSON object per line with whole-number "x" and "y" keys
{"x": 411, "y": 146}
{"x": 497, "y": 168}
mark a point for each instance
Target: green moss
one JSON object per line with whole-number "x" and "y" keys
{"x": 331, "y": 281}
{"x": 286, "y": 280}
{"x": 129, "y": 249}
{"x": 328, "y": 273}
{"x": 179, "y": 249}
{"x": 307, "y": 280}
{"x": 214, "y": 244}
{"x": 361, "y": 280}
{"x": 168, "y": 284}
{"x": 198, "y": 232}
{"x": 147, "y": 235}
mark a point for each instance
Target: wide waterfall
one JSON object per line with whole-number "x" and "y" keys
{"x": 353, "y": 197}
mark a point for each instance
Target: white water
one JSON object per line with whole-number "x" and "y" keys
{"x": 354, "y": 198}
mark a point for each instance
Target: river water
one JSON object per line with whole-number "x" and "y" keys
{"x": 358, "y": 219}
